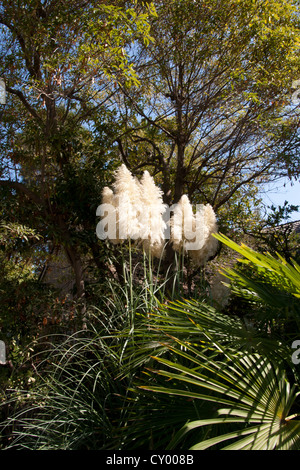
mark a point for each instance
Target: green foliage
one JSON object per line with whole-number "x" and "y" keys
{"x": 199, "y": 94}
{"x": 216, "y": 87}
{"x": 155, "y": 374}
{"x": 75, "y": 403}
{"x": 18, "y": 282}
{"x": 252, "y": 392}
{"x": 280, "y": 273}
{"x": 80, "y": 398}
{"x": 270, "y": 285}
{"x": 62, "y": 63}
{"x": 275, "y": 233}
{"x": 247, "y": 373}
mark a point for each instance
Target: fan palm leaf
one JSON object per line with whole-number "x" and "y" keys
{"x": 195, "y": 323}
{"x": 249, "y": 391}
{"x": 279, "y": 280}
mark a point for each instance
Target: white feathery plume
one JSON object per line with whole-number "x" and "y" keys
{"x": 111, "y": 217}
{"x": 135, "y": 210}
{"x": 207, "y": 225}
{"x": 107, "y": 196}
{"x": 182, "y": 224}
{"x": 127, "y": 201}
{"x": 151, "y": 216}
{"x": 201, "y": 229}
{"x": 211, "y": 223}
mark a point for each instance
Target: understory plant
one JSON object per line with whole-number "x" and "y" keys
{"x": 150, "y": 372}
{"x": 80, "y": 400}
{"x": 240, "y": 378}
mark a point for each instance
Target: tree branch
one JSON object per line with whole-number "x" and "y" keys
{"x": 20, "y": 187}
{"x": 27, "y": 105}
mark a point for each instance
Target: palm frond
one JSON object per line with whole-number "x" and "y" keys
{"x": 278, "y": 278}
{"x": 248, "y": 391}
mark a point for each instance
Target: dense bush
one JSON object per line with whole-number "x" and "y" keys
{"x": 152, "y": 373}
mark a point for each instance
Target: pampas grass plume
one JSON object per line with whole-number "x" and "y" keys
{"x": 127, "y": 193}
{"x": 152, "y": 221}
{"x": 182, "y": 224}
{"x": 111, "y": 219}
{"x": 137, "y": 211}
{"x": 207, "y": 224}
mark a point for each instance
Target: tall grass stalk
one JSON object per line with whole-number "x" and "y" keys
{"x": 82, "y": 399}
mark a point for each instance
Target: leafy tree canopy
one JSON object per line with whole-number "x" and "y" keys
{"x": 214, "y": 110}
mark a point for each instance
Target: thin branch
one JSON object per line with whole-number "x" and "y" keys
{"x": 27, "y": 105}
{"x": 20, "y": 187}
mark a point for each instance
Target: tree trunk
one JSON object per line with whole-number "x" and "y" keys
{"x": 180, "y": 172}
{"x": 76, "y": 263}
